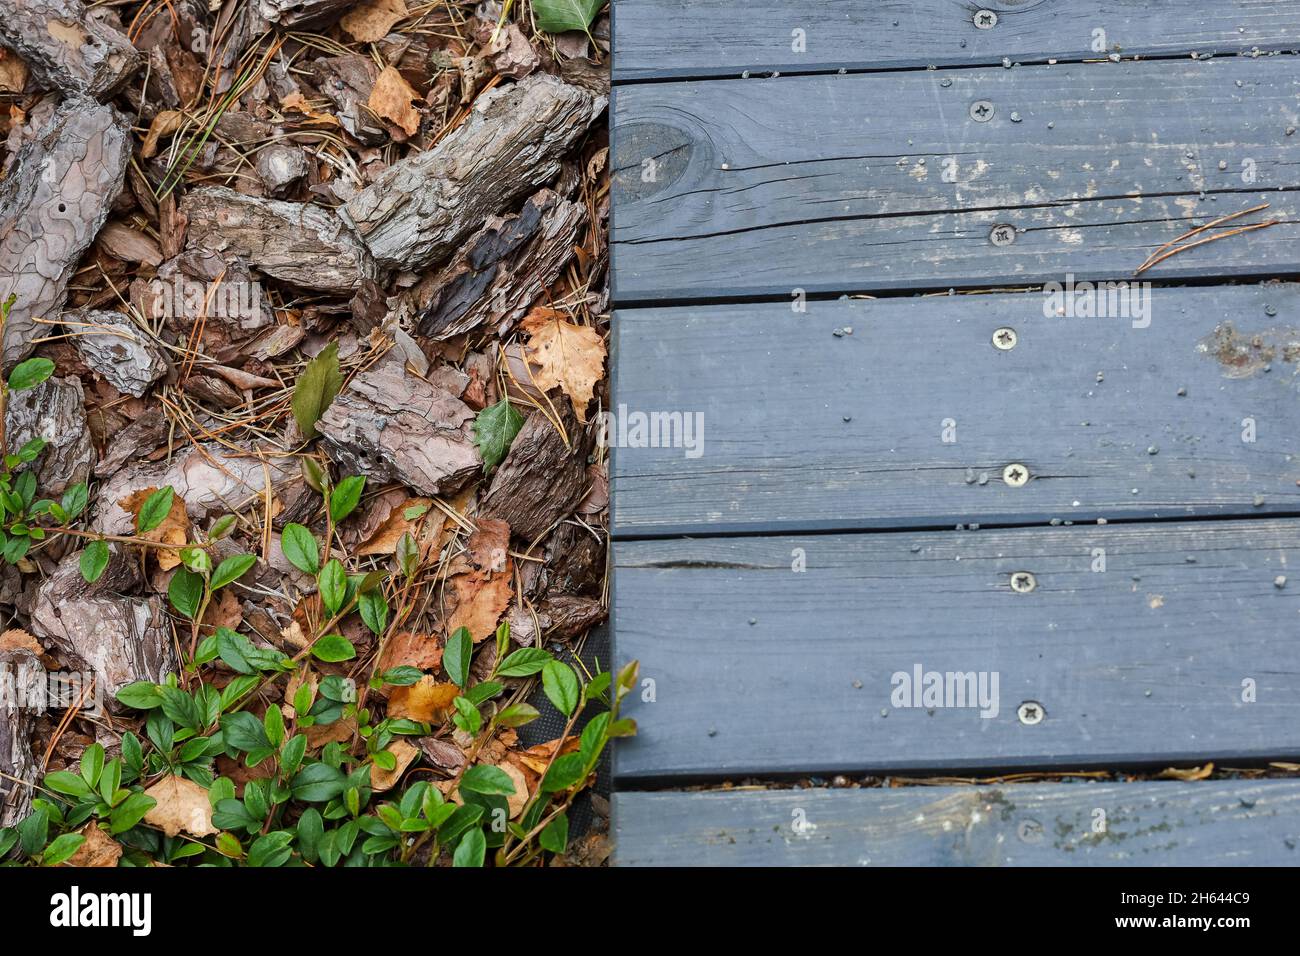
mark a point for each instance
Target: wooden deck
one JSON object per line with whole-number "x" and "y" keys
{"x": 895, "y": 490}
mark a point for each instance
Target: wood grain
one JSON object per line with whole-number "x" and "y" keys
{"x": 760, "y": 669}
{"x": 1208, "y": 823}
{"x": 804, "y": 429}
{"x": 658, "y": 39}
{"x": 841, "y": 183}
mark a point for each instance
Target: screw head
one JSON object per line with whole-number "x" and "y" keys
{"x": 1003, "y": 234}
{"x": 1005, "y": 339}
{"x": 1015, "y": 474}
{"x": 985, "y": 19}
{"x": 1030, "y": 831}
{"x": 981, "y": 111}
{"x": 1022, "y": 582}
{"x": 1031, "y": 712}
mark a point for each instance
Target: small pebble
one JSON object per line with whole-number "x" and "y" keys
{"x": 753, "y": 621}
{"x": 857, "y": 685}
{"x": 1279, "y": 582}
{"x": 1270, "y": 311}
{"x": 884, "y": 712}
{"x": 1153, "y": 450}
{"x": 1182, "y": 393}
{"x": 839, "y": 782}
{"x": 1015, "y": 117}
{"x": 1259, "y": 501}
{"x": 713, "y": 731}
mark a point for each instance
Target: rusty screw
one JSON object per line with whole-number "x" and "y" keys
{"x": 1031, "y": 712}
{"x": 1005, "y": 339}
{"x": 981, "y": 111}
{"x": 1002, "y": 234}
{"x": 985, "y": 19}
{"x": 1016, "y": 475}
{"x": 1023, "y": 582}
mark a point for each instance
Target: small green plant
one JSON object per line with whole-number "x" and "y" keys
{"x": 316, "y": 806}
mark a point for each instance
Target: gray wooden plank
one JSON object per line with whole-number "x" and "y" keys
{"x": 697, "y": 38}
{"x": 803, "y": 429}
{"x": 839, "y": 183}
{"x": 756, "y": 667}
{"x": 1163, "y": 823}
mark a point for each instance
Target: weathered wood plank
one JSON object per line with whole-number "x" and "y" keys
{"x": 758, "y": 667}
{"x": 698, "y": 38}
{"x": 886, "y": 181}
{"x": 911, "y": 420}
{"x": 1219, "y": 823}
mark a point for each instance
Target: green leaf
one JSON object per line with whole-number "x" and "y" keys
{"x": 374, "y": 610}
{"x": 221, "y": 527}
{"x": 310, "y": 830}
{"x": 561, "y": 686}
{"x": 318, "y": 783}
{"x": 130, "y": 812}
{"x": 232, "y": 569}
{"x": 154, "y": 510}
{"x": 407, "y": 553}
{"x": 196, "y": 559}
{"x": 186, "y": 592}
{"x": 271, "y": 850}
{"x": 94, "y": 560}
{"x": 62, "y": 847}
{"x": 333, "y": 583}
{"x": 68, "y": 784}
{"x": 403, "y": 676}
{"x": 559, "y": 16}
{"x": 471, "y": 850}
{"x": 300, "y": 548}
{"x": 516, "y": 715}
{"x": 456, "y": 656}
{"x": 484, "y": 778}
{"x": 556, "y": 835}
{"x": 333, "y": 648}
{"x": 316, "y": 387}
{"x": 243, "y": 731}
{"x": 33, "y": 830}
{"x": 566, "y": 771}
{"x": 74, "y": 500}
{"x": 494, "y": 429}
{"x": 92, "y": 764}
{"x": 31, "y": 450}
{"x": 524, "y": 662}
{"x": 346, "y": 496}
{"x": 142, "y": 695}
{"x": 29, "y": 374}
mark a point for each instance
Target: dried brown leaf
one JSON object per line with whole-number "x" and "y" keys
{"x": 371, "y": 21}
{"x": 182, "y": 805}
{"x": 570, "y": 356}
{"x": 391, "y": 99}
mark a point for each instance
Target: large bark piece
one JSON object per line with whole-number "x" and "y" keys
{"x": 68, "y": 48}
{"x": 21, "y": 680}
{"x": 55, "y": 410}
{"x": 503, "y": 269}
{"x": 303, "y": 13}
{"x": 540, "y": 481}
{"x": 419, "y": 210}
{"x": 305, "y": 245}
{"x": 212, "y": 479}
{"x": 118, "y": 351}
{"x": 121, "y": 639}
{"x": 390, "y": 425}
{"x": 53, "y": 203}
